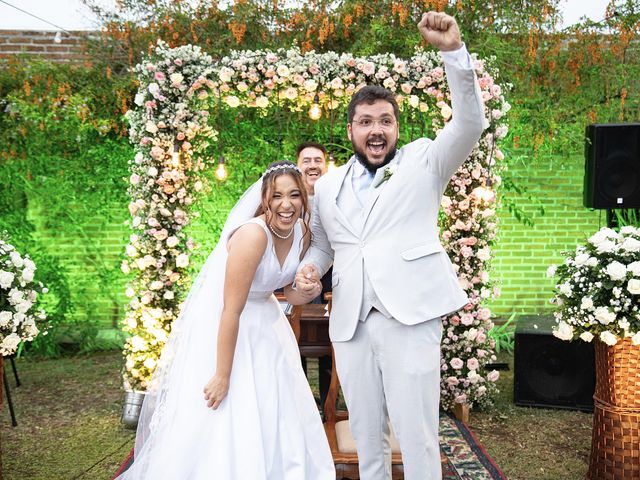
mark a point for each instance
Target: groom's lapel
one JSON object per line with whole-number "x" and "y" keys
{"x": 338, "y": 184}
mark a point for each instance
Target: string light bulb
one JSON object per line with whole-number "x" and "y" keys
{"x": 221, "y": 170}
{"x": 332, "y": 163}
{"x": 315, "y": 112}
{"x": 485, "y": 193}
{"x": 175, "y": 156}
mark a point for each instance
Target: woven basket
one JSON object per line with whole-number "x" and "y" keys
{"x": 615, "y": 444}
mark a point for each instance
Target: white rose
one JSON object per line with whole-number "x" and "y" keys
{"x": 176, "y": 78}
{"x": 139, "y": 99}
{"x": 634, "y": 268}
{"x": 484, "y": 254}
{"x": 172, "y": 241}
{"x": 581, "y": 259}
{"x": 630, "y": 245}
{"x": 156, "y": 285}
{"x": 168, "y": 295}
{"x": 634, "y": 286}
{"x": 153, "y": 88}
{"x": 15, "y": 296}
{"x": 604, "y": 316}
{"x": 616, "y": 271}
{"x": 18, "y": 318}
{"x": 5, "y": 318}
{"x": 10, "y": 344}
{"x": 151, "y": 127}
{"x": 607, "y": 246}
{"x": 232, "y": 101}
{"x": 551, "y": 271}
{"x": 635, "y": 339}
{"x": 586, "y": 304}
{"x": 262, "y": 101}
{"x": 563, "y": 331}
{"x": 182, "y": 260}
{"x": 609, "y": 338}
{"x": 225, "y": 74}
{"x": 27, "y": 275}
{"x": 28, "y": 264}
{"x": 310, "y": 85}
{"x": 602, "y": 235}
{"x": 16, "y": 259}
{"x": 565, "y": 289}
{"x": 586, "y": 336}
{"x": 592, "y": 262}
{"x": 23, "y": 307}
{"x": 6, "y": 279}
{"x": 628, "y": 229}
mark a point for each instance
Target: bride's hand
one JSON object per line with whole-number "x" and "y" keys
{"x": 215, "y": 391}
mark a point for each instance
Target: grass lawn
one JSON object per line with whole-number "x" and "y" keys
{"x": 69, "y": 426}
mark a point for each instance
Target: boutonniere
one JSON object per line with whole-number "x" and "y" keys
{"x": 388, "y": 172}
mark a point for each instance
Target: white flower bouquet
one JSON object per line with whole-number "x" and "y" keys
{"x": 598, "y": 291}
{"x": 18, "y": 293}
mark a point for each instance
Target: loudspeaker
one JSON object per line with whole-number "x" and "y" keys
{"x": 550, "y": 372}
{"x": 612, "y": 166}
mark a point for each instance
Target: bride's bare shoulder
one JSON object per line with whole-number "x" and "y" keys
{"x": 249, "y": 236}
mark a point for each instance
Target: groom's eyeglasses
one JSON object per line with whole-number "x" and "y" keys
{"x": 386, "y": 123}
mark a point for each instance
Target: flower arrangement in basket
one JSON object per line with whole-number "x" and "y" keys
{"x": 18, "y": 293}
{"x": 598, "y": 288}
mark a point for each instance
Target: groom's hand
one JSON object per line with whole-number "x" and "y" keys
{"x": 308, "y": 282}
{"x": 440, "y": 30}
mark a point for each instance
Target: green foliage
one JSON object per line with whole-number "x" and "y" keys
{"x": 62, "y": 173}
{"x": 504, "y": 335}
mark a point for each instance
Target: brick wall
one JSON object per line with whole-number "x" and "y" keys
{"x": 42, "y": 44}
{"x": 523, "y": 253}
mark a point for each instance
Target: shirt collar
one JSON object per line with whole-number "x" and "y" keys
{"x": 359, "y": 170}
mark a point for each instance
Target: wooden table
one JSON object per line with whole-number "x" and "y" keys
{"x": 310, "y": 325}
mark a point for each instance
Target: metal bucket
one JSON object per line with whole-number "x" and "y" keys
{"x": 131, "y": 408}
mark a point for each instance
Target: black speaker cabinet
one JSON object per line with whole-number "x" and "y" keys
{"x": 612, "y": 166}
{"x": 550, "y": 372}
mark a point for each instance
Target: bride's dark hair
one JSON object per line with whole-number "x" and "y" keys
{"x": 273, "y": 171}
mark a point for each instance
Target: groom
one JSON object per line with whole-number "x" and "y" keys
{"x": 375, "y": 219}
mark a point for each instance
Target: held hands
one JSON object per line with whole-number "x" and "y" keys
{"x": 308, "y": 282}
{"x": 215, "y": 391}
{"x": 440, "y": 30}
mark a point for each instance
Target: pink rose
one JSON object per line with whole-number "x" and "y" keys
{"x": 473, "y": 364}
{"x": 159, "y": 76}
{"x": 493, "y": 376}
{"x": 456, "y": 363}
{"x": 466, "y": 319}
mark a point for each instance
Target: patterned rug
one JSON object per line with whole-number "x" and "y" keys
{"x": 465, "y": 458}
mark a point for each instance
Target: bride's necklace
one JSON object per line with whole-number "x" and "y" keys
{"x": 283, "y": 237}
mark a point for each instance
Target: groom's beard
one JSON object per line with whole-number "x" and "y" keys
{"x": 362, "y": 158}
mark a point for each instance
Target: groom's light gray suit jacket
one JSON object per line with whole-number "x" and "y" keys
{"x": 391, "y": 243}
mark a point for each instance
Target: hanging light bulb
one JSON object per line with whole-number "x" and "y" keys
{"x": 175, "y": 156}
{"x": 315, "y": 112}
{"x": 332, "y": 163}
{"x": 221, "y": 170}
{"x": 485, "y": 193}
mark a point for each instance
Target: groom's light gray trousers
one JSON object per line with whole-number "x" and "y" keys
{"x": 392, "y": 371}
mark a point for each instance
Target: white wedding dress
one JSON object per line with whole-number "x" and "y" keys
{"x": 268, "y": 426}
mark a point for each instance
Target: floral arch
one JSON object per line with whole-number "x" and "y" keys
{"x": 170, "y": 130}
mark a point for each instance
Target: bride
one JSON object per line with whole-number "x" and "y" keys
{"x": 239, "y": 408}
